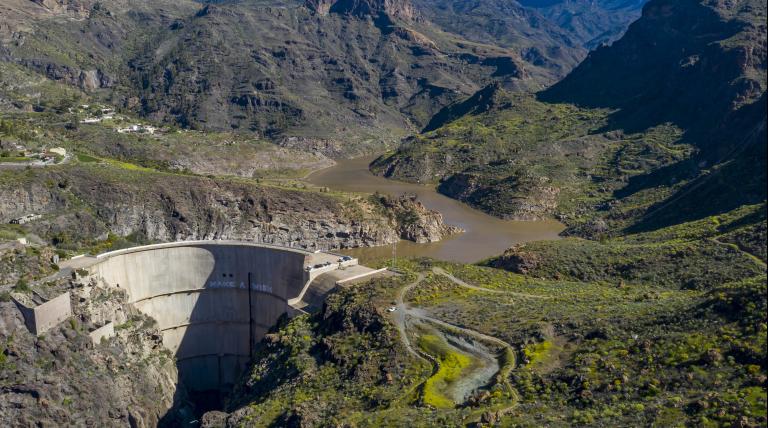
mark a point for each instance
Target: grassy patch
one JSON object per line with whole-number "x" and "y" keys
{"x": 451, "y": 367}
{"x": 11, "y": 159}
{"x": 81, "y": 157}
{"x": 537, "y": 353}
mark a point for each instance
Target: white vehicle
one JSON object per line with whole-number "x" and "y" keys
{"x": 392, "y": 309}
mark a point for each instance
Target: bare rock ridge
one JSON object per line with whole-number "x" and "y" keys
{"x": 416, "y": 222}
{"x": 400, "y": 9}
{"x": 77, "y": 7}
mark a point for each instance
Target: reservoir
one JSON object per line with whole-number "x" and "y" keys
{"x": 485, "y": 236}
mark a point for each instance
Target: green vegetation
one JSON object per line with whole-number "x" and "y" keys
{"x": 81, "y": 157}
{"x": 451, "y": 367}
{"x": 649, "y": 351}
{"x": 536, "y": 353}
{"x": 14, "y": 159}
{"x": 690, "y": 255}
{"x": 613, "y": 343}
{"x": 523, "y": 158}
{"x": 21, "y": 286}
{"x": 651, "y": 312}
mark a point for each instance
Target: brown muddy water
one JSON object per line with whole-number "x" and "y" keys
{"x": 484, "y": 235}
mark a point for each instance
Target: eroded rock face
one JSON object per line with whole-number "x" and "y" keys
{"x": 512, "y": 197}
{"x": 74, "y": 8}
{"x": 415, "y": 222}
{"x": 87, "y": 80}
{"x": 518, "y": 260}
{"x": 401, "y": 9}
{"x": 320, "y": 6}
{"x": 173, "y": 208}
{"x": 62, "y": 379}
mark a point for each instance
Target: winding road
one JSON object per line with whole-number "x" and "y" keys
{"x": 478, "y": 378}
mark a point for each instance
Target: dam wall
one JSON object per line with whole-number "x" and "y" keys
{"x": 212, "y": 300}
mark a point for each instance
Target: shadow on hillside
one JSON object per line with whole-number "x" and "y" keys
{"x": 670, "y": 68}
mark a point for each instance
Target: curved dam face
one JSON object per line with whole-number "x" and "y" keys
{"x": 213, "y": 301}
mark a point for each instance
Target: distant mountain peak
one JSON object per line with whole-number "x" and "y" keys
{"x": 401, "y": 9}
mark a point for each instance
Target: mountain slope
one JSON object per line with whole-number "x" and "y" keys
{"x": 684, "y": 62}
{"x": 589, "y": 23}
{"x": 654, "y": 329}
{"x": 643, "y": 132}
{"x": 702, "y": 67}
{"x": 352, "y": 73}
{"x": 81, "y": 42}
{"x": 366, "y": 72}
{"x": 361, "y": 71}
{"x": 539, "y": 41}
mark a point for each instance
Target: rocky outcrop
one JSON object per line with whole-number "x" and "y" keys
{"x": 517, "y": 259}
{"x": 511, "y": 197}
{"x": 311, "y": 74}
{"x": 334, "y": 148}
{"x": 401, "y": 9}
{"x": 74, "y": 8}
{"x": 28, "y": 199}
{"x": 85, "y": 79}
{"x": 322, "y": 7}
{"x": 413, "y": 220}
{"x": 417, "y": 169}
{"x": 166, "y": 207}
{"x": 63, "y": 378}
{"x": 686, "y": 62}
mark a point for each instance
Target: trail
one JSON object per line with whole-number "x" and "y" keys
{"x": 459, "y": 282}
{"x": 35, "y": 163}
{"x": 475, "y": 379}
{"x": 404, "y": 310}
{"x": 753, "y": 257}
{"x": 399, "y": 315}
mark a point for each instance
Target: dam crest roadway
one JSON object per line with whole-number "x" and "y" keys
{"x": 214, "y": 300}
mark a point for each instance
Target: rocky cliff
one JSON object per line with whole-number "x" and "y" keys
{"x": 363, "y": 71}
{"x": 349, "y": 70}
{"x": 398, "y": 9}
{"x": 62, "y": 378}
{"x": 414, "y": 221}
{"x": 85, "y": 203}
{"x": 688, "y": 62}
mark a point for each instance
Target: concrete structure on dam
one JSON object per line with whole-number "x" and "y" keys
{"x": 214, "y": 300}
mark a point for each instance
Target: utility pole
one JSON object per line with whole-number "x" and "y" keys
{"x": 394, "y": 254}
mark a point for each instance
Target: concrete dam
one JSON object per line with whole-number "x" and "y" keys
{"x": 214, "y": 300}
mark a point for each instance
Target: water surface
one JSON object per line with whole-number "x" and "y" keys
{"x": 484, "y": 235}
